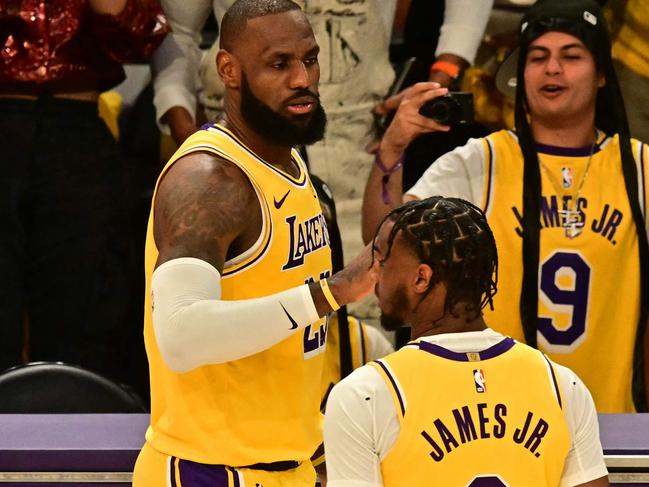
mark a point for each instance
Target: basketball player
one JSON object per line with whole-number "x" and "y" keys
{"x": 460, "y": 405}
{"x": 567, "y": 197}
{"x": 238, "y": 272}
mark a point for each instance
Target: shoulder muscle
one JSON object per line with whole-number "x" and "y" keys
{"x": 202, "y": 205}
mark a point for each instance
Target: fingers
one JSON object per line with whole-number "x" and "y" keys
{"x": 357, "y": 279}
{"x": 393, "y": 102}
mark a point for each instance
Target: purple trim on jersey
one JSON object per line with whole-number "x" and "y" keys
{"x": 491, "y": 352}
{"x": 194, "y": 474}
{"x": 207, "y": 125}
{"x": 394, "y": 386}
{"x": 554, "y": 380}
{"x": 235, "y": 477}
{"x": 491, "y": 175}
{"x": 172, "y": 472}
{"x": 262, "y": 253}
{"x": 553, "y": 150}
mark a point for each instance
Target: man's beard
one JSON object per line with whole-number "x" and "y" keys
{"x": 390, "y": 323}
{"x": 389, "y": 320}
{"x": 306, "y": 129}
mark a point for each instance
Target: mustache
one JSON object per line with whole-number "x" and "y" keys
{"x": 304, "y": 93}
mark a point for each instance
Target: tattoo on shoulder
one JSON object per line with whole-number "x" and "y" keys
{"x": 202, "y": 205}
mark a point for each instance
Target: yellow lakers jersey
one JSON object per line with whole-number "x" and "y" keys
{"x": 589, "y": 284}
{"x": 263, "y": 408}
{"x": 358, "y": 347}
{"x": 490, "y": 418}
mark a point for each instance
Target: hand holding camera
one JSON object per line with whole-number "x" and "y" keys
{"x": 455, "y": 108}
{"x": 408, "y": 123}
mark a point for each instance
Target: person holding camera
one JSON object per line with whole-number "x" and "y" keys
{"x": 565, "y": 194}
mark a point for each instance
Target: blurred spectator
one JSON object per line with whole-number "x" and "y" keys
{"x": 630, "y": 26}
{"x": 66, "y": 253}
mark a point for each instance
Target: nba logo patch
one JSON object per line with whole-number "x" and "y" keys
{"x": 566, "y": 176}
{"x": 479, "y": 380}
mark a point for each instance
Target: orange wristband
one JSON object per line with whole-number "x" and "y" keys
{"x": 453, "y": 70}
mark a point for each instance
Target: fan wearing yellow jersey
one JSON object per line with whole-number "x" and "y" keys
{"x": 238, "y": 273}
{"x": 567, "y": 197}
{"x": 461, "y": 405}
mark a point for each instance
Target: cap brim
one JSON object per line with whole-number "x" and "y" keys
{"x": 507, "y": 74}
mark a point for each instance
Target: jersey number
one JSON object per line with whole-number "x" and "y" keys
{"x": 562, "y": 298}
{"x": 487, "y": 481}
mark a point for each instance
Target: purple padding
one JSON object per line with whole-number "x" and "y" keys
{"x": 624, "y": 434}
{"x": 111, "y": 442}
{"x": 71, "y": 442}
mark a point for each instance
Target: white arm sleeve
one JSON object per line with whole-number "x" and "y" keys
{"x": 461, "y": 34}
{"x": 360, "y": 428}
{"x": 175, "y": 63}
{"x": 459, "y": 173}
{"x": 585, "y": 461}
{"x": 194, "y": 327}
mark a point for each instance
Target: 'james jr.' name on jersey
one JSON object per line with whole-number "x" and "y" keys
{"x": 606, "y": 221}
{"x": 482, "y": 421}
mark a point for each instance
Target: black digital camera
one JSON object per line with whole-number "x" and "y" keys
{"x": 456, "y": 108}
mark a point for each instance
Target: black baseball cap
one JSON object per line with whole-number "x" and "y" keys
{"x": 583, "y": 19}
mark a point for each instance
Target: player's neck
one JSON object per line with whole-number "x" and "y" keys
{"x": 571, "y": 134}
{"x": 277, "y": 155}
{"x": 457, "y": 322}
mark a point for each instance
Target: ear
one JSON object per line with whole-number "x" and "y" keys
{"x": 601, "y": 80}
{"x": 423, "y": 277}
{"x": 229, "y": 69}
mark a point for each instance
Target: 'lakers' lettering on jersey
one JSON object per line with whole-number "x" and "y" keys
{"x": 502, "y": 422}
{"x": 238, "y": 413}
{"x": 579, "y": 325}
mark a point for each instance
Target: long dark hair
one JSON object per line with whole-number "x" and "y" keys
{"x": 610, "y": 116}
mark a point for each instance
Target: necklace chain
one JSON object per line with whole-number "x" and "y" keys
{"x": 571, "y": 219}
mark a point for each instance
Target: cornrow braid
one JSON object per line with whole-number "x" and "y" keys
{"x": 452, "y": 237}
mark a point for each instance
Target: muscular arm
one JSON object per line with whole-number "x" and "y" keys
{"x": 204, "y": 205}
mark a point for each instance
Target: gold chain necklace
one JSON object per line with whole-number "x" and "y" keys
{"x": 571, "y": 219}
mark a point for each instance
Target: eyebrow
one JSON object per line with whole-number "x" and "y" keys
{"x": 562, "y": 48}
{"x": 283, "y": 55}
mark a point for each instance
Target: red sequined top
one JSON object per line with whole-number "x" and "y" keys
{"x": 62, "y": 45}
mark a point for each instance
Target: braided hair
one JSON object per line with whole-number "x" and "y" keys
{"x": 570, "y": 16}
{"x": 452, "y": 237}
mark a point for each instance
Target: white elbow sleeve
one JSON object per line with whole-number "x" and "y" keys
{"x": 194, "y": 326}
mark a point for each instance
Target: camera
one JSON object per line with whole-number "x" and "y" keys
{"x": 456, "y": 108}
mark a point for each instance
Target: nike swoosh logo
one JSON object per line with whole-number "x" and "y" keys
{"x": 287, "y": 314}
{"x": 278, "y": 204}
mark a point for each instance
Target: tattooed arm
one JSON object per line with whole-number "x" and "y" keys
{"x": 205, "y": 206}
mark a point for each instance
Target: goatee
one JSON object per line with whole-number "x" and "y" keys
{"x": 284, "y": 130}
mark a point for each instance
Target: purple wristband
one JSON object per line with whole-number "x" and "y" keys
{"x": 387, "y": 172}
